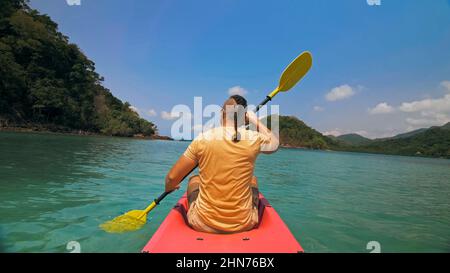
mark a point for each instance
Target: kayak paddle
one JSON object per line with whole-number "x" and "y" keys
{"x": 135, "y": 219}
{"x": 295, "y": 71}
{"x": 132, "y": 220}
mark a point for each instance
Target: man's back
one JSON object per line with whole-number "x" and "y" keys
{"x": 226, "y": 168}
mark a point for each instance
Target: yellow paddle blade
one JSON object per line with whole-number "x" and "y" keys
{"x": 296, "y": 70}
{"x": 130, "y": 221}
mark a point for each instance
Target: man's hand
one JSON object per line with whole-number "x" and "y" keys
{"x": 252, "y": 117}
{"x": 272, "y": 142}
{"x": 182, "y": 167}
{"x": 169, "y": 188}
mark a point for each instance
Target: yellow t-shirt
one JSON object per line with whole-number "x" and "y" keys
{"x": 226, "y": 169}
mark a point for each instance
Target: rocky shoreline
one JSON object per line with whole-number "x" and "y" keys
{"x": 68, "y": 131}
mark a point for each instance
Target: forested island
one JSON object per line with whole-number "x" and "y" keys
{"x": 432, "y": 142}
{"x": 47, "y": 83}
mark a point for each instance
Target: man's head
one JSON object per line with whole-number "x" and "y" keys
{"x": 233, "y": 113}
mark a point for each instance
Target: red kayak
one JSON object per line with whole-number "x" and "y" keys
{"x": 175, "y": 236}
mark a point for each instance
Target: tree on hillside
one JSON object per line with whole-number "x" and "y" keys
{"x": 46, "y": 80}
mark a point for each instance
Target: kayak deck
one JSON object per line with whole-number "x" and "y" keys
{"x": 175, "y": 236}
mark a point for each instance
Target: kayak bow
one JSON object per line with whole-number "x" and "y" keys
{"x": 176, "y": 236}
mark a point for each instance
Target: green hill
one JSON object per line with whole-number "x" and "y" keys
{"x": 47, "y": 82}
{"x": 295, "y": 133}
{"x": 446, "y": 126}
{"x": 353, "y": 139}
{"x": 434, "y": 142}
{"x": 409, "y": 134}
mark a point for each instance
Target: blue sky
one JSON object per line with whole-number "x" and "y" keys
{"x": 156, "y": 54}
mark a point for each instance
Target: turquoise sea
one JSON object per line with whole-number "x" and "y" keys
{"x": 58, "y": 188}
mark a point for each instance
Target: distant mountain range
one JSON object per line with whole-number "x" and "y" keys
{"x": 352, "y": 139}
{"x": 408, "y": 134}
{"x": 432, "y": 142}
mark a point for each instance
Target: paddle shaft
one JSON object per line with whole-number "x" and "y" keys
{"x": 164, "y": 194}
{"x": 264, "y": 102}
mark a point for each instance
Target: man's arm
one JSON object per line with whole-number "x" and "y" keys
{"x": 273, "y": 141}
{"x": 182, "y": 167}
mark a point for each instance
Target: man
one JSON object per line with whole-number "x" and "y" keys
{"x": 223, "y": 198}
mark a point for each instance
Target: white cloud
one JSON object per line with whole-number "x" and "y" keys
{"x": 385, "y": 132}
{"x": 339, "y": 132}
{"x": 334, "y": 132}
{"x": 363, "y": 133}
{"x": 174, "y": 115}
{"x": 318, "y": 108}
{"x": 340, "y": 93}
{"x": 168, "y": 115}
{"x": 436, "y": 105}
{"x": 134, "y": 109}
{"x": 152, "y": 113}
{"x": 417, "y": 121}
{"x": 372, "y": 133}
{"x": 237, "y": 90}
{"x": 428, "y": 119}
{"x": 431, "y": 112}
{"x": 446, "y": 85}
{"x": 381, "y": 108}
